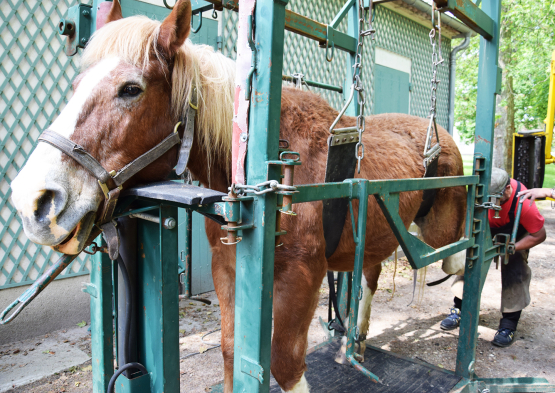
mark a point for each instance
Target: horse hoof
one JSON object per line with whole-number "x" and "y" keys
{"x": 341, "y": 355}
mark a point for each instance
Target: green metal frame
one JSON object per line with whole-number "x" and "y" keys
{"x": 253, "y": 324}
{"x": 158, "y": 343}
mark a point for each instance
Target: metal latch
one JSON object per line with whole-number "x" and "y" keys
{"x": 76, "y": 26}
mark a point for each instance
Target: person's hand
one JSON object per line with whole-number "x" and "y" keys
{"x": 533, "y": 194}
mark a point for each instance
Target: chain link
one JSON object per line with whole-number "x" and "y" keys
{"x": 358, "y": 86}
{"x": 261, "y": 188}
{"x": 431, "y": 153}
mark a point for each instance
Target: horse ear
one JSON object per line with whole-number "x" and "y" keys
{"x": 108, "y": 11}
{"x": 175, "y": 29}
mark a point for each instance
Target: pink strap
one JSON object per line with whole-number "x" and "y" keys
{"x": 241, "y": 107}
{"x": 102, "y": 13}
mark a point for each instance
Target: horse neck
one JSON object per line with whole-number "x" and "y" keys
{"x": 213, "y": 176}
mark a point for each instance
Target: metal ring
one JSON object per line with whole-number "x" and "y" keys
{"x": 293, "y": 153}
{"x": 230, "y": 244}
{"x": 196, "y": 30}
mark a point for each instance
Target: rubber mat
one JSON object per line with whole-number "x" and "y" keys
{"x": 397, "y": 374}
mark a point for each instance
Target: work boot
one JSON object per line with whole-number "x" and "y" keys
{"x": 452, "y": 321}
{"x": 504, "y": 337}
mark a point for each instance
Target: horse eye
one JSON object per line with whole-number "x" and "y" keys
{"x": 130, "y": 91}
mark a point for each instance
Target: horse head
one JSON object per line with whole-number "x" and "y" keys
{"x": 121, "y": 107}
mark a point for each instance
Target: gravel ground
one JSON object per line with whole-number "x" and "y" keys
{"x": 408, "y": 330}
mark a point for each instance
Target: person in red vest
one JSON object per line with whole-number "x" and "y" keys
{"x": 516, "y": 275}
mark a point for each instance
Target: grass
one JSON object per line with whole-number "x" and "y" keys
{"x": 548, "y": 182}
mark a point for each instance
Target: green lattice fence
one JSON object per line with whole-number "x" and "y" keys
{"x": 394, "y": 33}
{"x": 35, "y": 81}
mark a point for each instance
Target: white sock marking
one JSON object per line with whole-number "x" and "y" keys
{"x": 364, "y": 308}
{"x": 300, "y": 387}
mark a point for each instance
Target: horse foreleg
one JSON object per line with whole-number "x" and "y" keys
{"x": 223, "y": 273}
{"x": 369, "y": 285}
{"x": 295, "y": 300}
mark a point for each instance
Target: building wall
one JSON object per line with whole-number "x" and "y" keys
{"x": 394, "y": 33}
{"x": 405, "y": 37}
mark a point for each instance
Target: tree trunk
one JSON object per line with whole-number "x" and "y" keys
{"x": 505, "y": 108}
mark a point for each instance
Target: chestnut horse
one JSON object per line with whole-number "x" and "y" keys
{"x": 137, "y": 79}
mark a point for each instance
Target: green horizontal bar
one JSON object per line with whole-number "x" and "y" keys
{"x": 304, "y": 26}
{"x": 490, "y": 253}
{"x": 402, "y": 185}
{"x": 338, "y": 89}
{"x": 444, "y": 252}
{"x": 470, "y": 14}
{"x": 318, "y": 192}
{"x": 526, "y": 384}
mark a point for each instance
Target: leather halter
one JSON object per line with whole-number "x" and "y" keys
{"x": 91, "y": 164}
{"x": 112, "y": 182}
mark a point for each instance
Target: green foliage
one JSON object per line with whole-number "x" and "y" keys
{"x": 531, "y": 26}
{"x": 466, "y": 88}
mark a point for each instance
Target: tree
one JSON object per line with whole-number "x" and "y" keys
{"x": 527, "y": 41}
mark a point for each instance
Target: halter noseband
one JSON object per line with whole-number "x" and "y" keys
{"x": 112, "y": 182}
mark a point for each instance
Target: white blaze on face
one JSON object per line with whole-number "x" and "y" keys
{"x": 45, "y": 172}
{"x": 65, "y": 123}
{"x": 300, "y": 387}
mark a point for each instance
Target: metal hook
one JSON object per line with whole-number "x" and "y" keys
{"x": 167, "y": 6}
{"x": 214, "y": 13}
{"x": 329, "y": 59}
{"x": 196, "y": 30}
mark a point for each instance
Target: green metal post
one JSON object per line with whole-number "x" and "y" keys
{"x": 344, "y": 279}
{"x": 157, "y": 302}
{"x": 102, "y": 340}
{"x": 476, "y": 265}
{"x": 185, "y": 232}
{"x": 255, "y": 253}
{"x": 356, "y": 290}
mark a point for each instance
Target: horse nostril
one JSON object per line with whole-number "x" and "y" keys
{"x": 44, "y": 205}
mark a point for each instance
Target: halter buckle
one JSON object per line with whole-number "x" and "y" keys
{"x": 104, "y": 188}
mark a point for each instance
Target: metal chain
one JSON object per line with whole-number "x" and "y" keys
{"x": 357, "y": 81}
{"x": 431, "y": 153}
{"x": 261, "y": 188}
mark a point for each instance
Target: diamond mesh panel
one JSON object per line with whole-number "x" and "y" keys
{"x": 394, "y": 33}
{"x": 35, "y": 80}
{"x": 401, "y": 35}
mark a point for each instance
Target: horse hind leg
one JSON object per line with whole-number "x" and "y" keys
{"x": 369, "y": 283}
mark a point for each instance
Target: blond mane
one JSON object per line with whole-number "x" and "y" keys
{"x": 134, "y": 39}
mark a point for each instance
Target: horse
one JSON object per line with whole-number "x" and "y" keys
{"x": 137, "y": 79}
